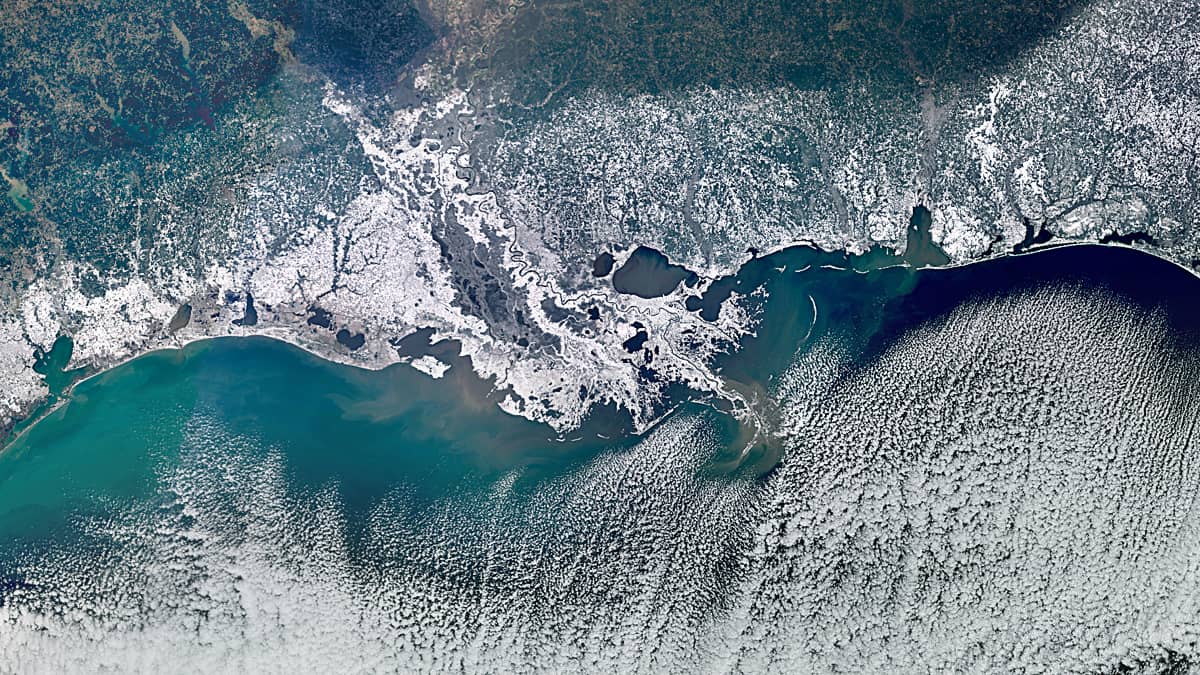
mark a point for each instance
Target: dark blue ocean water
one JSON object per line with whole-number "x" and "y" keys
{"x": 237, "y": 467}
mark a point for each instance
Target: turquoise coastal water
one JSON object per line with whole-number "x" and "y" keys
{"x": 251, "y": 506}
{"x": 368, "y": 432}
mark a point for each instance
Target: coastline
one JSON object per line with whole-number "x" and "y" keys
{"x": 291, "y": 335}
{"x": 24, "y": 424}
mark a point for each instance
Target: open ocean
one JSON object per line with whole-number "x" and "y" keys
{"x": 941, "y": 461}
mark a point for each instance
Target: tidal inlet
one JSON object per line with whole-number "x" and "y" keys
{"x": 615, "y": 336}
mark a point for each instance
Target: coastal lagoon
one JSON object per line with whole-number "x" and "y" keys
{"x": 913, "y": 467}
{"x": 624, "y": 336}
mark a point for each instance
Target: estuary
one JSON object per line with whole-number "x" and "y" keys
{"x": 925, "y": 463}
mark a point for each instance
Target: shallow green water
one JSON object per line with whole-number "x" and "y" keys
{"x": 372, "y": 432}
{"x": 243, "y": 505}
{"x": 365, "y": 431}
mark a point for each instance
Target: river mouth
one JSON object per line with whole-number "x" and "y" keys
{"x": 284, "y": 507}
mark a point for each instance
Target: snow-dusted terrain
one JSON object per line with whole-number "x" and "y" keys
{"x": 442, "y": 213}
{"x": 928, "y": 515}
